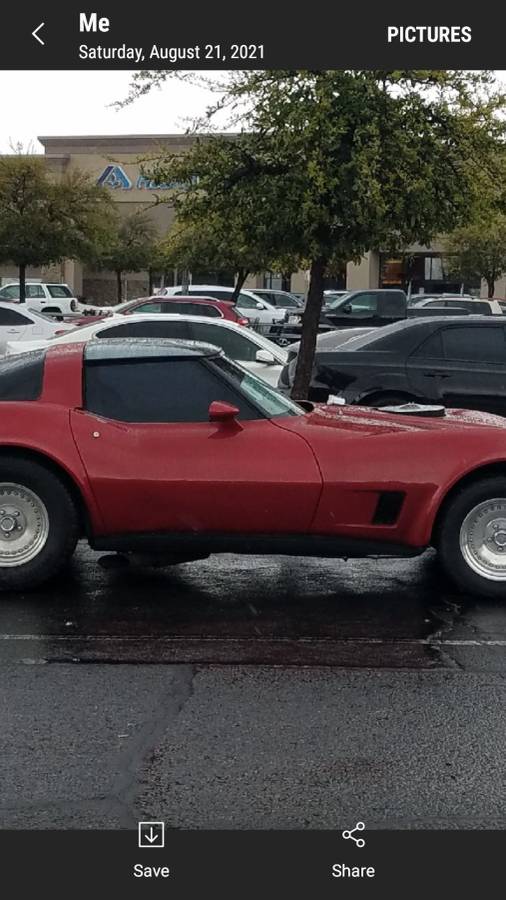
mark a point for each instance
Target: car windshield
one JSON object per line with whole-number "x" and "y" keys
{"x": 59, "y": 290}
{"x": 266, "y": 398}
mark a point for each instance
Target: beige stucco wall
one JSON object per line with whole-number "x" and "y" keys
{"x": 92, "y": 155}
{"x": 365, "y": 274}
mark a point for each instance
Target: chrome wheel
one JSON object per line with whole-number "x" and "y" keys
{"x": 24, "y": 524}
{"x": 483, "y": 539}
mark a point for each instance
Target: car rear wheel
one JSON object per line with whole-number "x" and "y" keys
{"x": 472, "y": 538}
{"x": 39, "y": 524}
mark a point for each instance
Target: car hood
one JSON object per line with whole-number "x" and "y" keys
{"x": 375, "y": 421}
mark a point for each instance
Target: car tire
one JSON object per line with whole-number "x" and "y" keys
{"x": 471, "y": 538}
{"x": 39, "y": 524}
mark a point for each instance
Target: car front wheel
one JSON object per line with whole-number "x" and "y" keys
{"x": 39, "y": 524}
{"x": 471, "y": 540}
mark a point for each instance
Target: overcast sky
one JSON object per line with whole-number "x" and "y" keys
{"x": 78, "y": 103}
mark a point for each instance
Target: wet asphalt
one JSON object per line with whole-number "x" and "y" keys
{"x": 252, "y": 692}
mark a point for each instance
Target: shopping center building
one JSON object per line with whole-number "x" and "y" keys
{"x": 116, "y": 162}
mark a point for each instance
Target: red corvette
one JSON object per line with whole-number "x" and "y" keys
{"x": 171, "y": 450}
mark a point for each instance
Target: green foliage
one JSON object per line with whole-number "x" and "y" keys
{"x": 478, "y": 250}
{"x": 333, "y": 164}
{"x": 227, "y": 207}
{"x": 129, "y": 246}
{"x": 43, "y": 220}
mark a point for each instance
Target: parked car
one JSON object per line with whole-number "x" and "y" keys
{"x": 459, "y": 363}
{"x": 255, "y": 309}
{"x": 375, "y": 308}
{"x": 417, "y": 298}
{"x": 172, "y": 451}
{"x": 474, "y": 306}
{"x": 279, "y": 299}
{"x": 49, "y": 298}
{"x": 188, "y": 306}
{"x": 21, "y": 323}
{"x": 253, "y": 351}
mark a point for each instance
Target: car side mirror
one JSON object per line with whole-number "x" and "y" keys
{"x": 260, "y": 306}
{"x": 264, "y": 356}
{"x": 346, "y": 309}
{"x": 219, "y": 411}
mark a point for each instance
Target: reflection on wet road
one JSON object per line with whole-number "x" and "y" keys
{"x": 271, "y": 610}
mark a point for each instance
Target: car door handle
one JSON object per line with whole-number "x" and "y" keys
{"x": 436, "y": 373}
{"x": 13, "y": 331}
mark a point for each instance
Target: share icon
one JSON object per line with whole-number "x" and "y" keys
{"x": 350, "y": 834}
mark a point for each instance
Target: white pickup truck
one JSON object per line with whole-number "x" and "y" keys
{"x": 49, "y": 298}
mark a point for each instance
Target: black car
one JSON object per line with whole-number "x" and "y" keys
{"x": 459, "y": 362}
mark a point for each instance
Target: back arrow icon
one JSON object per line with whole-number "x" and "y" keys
{"x": 36, "y": 36}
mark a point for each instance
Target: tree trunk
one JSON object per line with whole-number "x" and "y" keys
{"x": 491, "y": 287}
{"x": 242, "y": 275}
{"x": 22, "y": 283}
{"x": 310, "y": 323}
{"x": 119, "y": 286}
{"x": 150, "y": 282}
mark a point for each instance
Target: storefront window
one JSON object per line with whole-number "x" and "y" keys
{"x": 421, "y": 273}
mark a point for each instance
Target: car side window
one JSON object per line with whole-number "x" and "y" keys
{"x": 431, "y": 347}
{"x": 364, "y": 304}
{"x": 201, "y": 309}
{"x": 161, "y": 329}
{"x": 174, "y": 308}
{"x": 158, "y": 390}
{"x": 483, "y": 345}
{"x": 246, "y": 302}
{"x": 12, "y": 317}
{"x": 234, "y": 345}
{"x": 35, "y": 292}
{"x": 59, "y": 290}
{"x": 9, "y": 293}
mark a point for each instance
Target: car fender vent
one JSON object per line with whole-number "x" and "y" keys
{"x": 388, "y": 507}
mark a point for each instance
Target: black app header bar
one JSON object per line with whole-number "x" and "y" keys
{"x": 156, "y": 36}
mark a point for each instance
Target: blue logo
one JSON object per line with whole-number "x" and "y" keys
{"x": 114, "y": 177}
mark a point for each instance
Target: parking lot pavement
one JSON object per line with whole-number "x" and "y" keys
{"x": 252, "y": 693}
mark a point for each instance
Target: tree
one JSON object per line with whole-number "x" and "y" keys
{"x": 129, "y": 247}
{"x": 43, "y": 221}
{"x": 159, "y": 261}
{"x": 478, "y": 250}
{"x": 344, "y": 162}
{"x": 227, "y": 208}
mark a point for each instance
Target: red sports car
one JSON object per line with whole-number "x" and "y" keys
{"x": 173, "y": 451}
